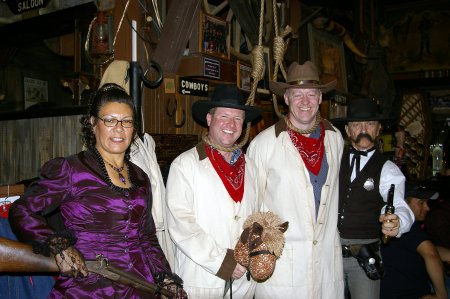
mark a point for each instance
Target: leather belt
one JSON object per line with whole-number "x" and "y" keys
{"x": 353, "y": 250}
{"x": 350, "y": 250}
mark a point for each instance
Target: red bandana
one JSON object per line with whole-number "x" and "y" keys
{"x": 232, "y": 176}
{"x": 311, "y": 149}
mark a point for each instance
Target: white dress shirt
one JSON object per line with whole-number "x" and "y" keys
{"x": 391, "y": 174}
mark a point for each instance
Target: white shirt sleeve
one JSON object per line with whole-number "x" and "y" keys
{"x": 391, "y": 174}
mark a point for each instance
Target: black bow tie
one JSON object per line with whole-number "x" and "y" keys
{"x": 356, "y": 158}
{"x": 360, "y": 153}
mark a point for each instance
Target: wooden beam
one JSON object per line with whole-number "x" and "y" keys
{"x": 181, "y": 22}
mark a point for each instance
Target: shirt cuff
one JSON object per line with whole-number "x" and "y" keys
{"x": 228, "y": 266}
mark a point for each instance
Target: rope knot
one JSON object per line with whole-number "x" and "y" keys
{"x": 286, "y": 31}
{"x": 257, "y": 63}
{"x": 279, "y": 48}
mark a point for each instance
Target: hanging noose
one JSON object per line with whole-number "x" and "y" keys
{"x": 279, "y": 49}
{"x": 257, "y": 59}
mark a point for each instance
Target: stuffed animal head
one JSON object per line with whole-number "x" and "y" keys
{"x": 260, "y": 244}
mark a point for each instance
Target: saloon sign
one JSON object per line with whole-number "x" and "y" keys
{"x": 20, "y": 6}
{"x": 193, "y": 87}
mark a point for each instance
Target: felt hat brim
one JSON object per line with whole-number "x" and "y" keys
{"x": 279, "y": 88}
{"x": 377, "y": 117}
{"x": 362, "y": 109}
{"x": 201, "y": 108}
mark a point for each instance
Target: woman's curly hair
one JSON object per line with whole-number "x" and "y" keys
{"x": 108, "y": 93}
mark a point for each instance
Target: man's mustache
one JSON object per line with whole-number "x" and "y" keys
{"x": 364, "y": 135}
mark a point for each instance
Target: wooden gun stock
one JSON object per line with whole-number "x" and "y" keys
{"x": 16, "y": 257}
{"x": 19, "y": 257}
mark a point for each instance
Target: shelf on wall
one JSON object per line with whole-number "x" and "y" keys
{"x": 46, "y": 26}
{"x": 44, "y": 112}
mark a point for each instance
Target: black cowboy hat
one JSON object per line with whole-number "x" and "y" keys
{"x": 224, "y": 95}
{"x": 361, "y": 109}
{"x": 301, "y": 76}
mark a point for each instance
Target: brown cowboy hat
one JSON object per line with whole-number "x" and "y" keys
{"x": 301, "y": 76}
{"x": 224, "y": 95}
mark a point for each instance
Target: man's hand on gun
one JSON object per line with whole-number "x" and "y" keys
{"x": 390, "y": 224}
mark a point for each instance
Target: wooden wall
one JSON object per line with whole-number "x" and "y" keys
{"x": 26, "y": 144}
{"x": 160, "y": 116}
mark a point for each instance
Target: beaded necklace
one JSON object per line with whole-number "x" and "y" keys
{"x": 107, "y": 179}
{"x": 119, "y": 171}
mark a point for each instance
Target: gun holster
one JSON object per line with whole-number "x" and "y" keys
{"x": 369, "y": 259}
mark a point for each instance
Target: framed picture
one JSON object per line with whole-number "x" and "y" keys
{"x": 34, "y": 91}
{"x": 244, "y": 76}
{"x": 327, "y": 53}
{"x": 417, "y": 40}
{"x": 214, "y": 36}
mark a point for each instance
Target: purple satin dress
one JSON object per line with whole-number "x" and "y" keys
{"x": 105, "y": 219}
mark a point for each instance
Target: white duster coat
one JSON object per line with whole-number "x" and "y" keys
{"x": 310, "y": 266}
{"x": 204, "y": 222}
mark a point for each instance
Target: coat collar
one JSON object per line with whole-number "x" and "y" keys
{"x": 201, "y": 151}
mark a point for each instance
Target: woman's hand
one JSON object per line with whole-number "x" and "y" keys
{"x": 172, "y": 283}
{"x": 71, "y": 263}
{"x": 179, "y": 292}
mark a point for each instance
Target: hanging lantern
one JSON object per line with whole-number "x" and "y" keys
{"x": 102, "y": 37}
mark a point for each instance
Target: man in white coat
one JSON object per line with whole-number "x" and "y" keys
{"x": 211, "y": 189}
{"x": 298, "y": 159}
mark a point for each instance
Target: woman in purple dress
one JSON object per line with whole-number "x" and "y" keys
{"x": 104, "y": 202}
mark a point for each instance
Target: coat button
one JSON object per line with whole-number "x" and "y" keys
{"x": 315, "y": 242}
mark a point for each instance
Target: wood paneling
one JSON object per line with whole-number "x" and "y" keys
{"x": 158, "y": 103}
{"x": 26, "y": 144}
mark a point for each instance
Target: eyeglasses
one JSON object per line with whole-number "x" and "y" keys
{"x": 112, "y": 122}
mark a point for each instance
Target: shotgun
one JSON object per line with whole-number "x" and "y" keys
{"x": 16, "y": 257}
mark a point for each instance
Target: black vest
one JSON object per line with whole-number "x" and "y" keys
{"x": 359, "y": 208}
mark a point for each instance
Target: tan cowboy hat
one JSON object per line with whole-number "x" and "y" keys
{"x": 117, "y": 72}
{"x": 301, "y": 76}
